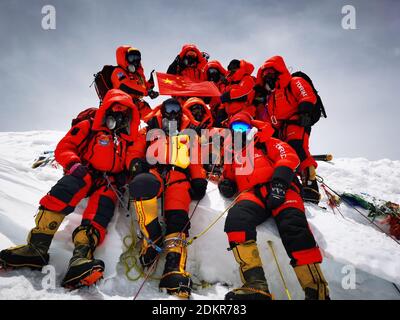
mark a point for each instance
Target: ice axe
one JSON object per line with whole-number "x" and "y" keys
{"x": 323, "y": 157}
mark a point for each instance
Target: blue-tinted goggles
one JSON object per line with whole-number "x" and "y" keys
{"x": 239, "y": 126}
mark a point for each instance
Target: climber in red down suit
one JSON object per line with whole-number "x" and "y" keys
{"x": 270, "y": 189}
{"x": 95, "y": 156}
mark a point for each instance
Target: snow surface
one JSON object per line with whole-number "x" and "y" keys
{"x": 348, "y": 240}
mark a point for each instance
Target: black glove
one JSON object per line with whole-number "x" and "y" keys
{"x": 276, "y": 196}
{"x": 78, "y": 170}
{"x": 152, "y": 94}
{"x": 225, "y": 97}
{"x": 198, "y": 188}
{"x": 228, "y": 188}
{"x": 304, "y": 110}
{"x": 139, "y": 166}
{"x": 151, "y": 79}
{"x": 305, "y": 120}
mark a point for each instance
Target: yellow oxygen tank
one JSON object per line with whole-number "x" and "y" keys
{"x": 179, "y": 151}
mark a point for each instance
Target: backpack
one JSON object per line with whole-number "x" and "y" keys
{"x": 102, "y": 81}
{"x": 87, "y": 114}
{"x": 319, "y": 106}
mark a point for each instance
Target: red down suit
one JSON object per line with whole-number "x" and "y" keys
{"x": 92, "y": 144}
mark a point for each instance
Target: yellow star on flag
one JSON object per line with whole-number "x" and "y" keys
{"x": 168, "y": 81}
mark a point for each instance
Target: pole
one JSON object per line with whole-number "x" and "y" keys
{"x": 279, "y": 269}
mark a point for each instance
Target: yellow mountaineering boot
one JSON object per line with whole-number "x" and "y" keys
{"x": 83, "y": 269}
{"x": 175, "y": 279}
{"x": 312, "y": 281}
{"x": 34, "y": 254}
{"x": 147, "y": 215}
{"x": 255, "y": 285}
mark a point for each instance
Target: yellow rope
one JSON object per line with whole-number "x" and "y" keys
{"x": 190, "y": 241}
{"x": 129, "y": 258}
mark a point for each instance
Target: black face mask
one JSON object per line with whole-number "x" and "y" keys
{"x": 170, "y": 127}
{"x": 134, "y": 58}
{"x": 270, "y": 81}
{"x": 189, "y": 61}
{"x": 172, "y": 110}
{"x": 213, "y": 75}
{"x": 116, "y": 120}
{"x": 197, "y": 112}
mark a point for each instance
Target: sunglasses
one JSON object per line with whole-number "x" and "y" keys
{"x": 239, "y": 126}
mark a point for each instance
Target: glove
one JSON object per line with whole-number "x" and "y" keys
{"x": 305, "y": 120}
{"x": 152, "y": 94}
{"x": 225, "y": 97}
{"x": 198, "y": 188}
{"x": 227, "y": 188}
{"x": 151, "y": 79}
{"x": 276, "y": 196}
{"x": 78, "y": 170}
{"x": 139, "y": 166}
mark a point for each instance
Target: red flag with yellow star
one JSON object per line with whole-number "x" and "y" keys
{"x": 169, "y": 84}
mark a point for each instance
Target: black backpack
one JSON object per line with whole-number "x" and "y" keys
{"x": 319, "y": 106}
{"x": 102, "y": 81}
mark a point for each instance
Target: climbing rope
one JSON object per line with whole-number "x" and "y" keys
{"x": 344, "y": 199}
{"x": 190, "y": 241}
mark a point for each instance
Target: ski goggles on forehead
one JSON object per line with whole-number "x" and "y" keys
{"x": 172, "y": 108}
{"x": 239, "y": 126}
{"x": 270, "y": 73}
{"x": 213, "y": 71}
{"x": 119, "y": 108}
{"x": 191, "y": 54}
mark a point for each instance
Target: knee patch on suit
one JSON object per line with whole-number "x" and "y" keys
{"x": 144, "y": 186}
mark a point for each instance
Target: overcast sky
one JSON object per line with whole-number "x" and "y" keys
{"x": 45, "y": 74}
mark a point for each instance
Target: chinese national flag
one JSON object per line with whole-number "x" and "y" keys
{"x": 169, "y": 84}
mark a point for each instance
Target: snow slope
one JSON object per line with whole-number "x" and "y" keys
{"x": 347, "y": 241}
